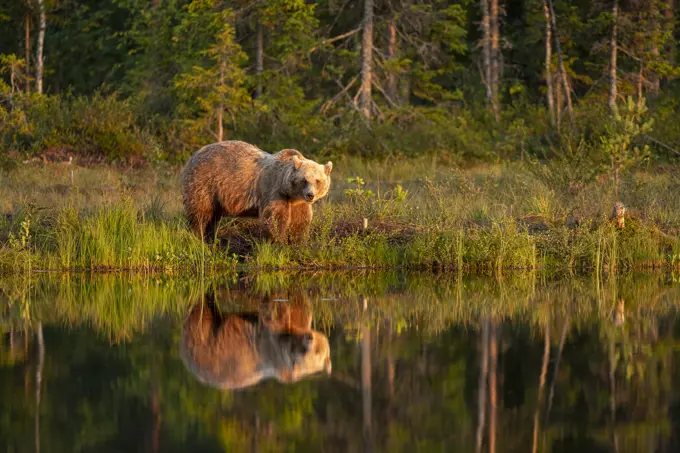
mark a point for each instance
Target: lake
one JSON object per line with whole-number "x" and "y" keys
{"x": 420, "y": 362}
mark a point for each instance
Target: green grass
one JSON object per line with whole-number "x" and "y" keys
{"x": 419, "y": 213}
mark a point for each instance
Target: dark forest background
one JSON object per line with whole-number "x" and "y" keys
{"x": 136, "y": 80}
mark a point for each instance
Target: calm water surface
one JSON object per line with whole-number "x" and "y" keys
{"x": 109, "y": 363}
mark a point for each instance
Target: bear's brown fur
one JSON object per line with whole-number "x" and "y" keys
{"x": 237, "y": 179}
{"x": 239, "y": 350}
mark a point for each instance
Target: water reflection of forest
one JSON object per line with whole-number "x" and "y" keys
{"x": 419, "y": 363}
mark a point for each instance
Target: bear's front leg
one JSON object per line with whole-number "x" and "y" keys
{"x": 300, "y": 220}
{"x": 276, "y": 217}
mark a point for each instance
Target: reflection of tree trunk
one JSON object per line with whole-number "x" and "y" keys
{"x": 155, "y": 418}
{"x": 366, "y": 382}
{"x": 483, "y": 373}
{"x": 38, "y": 385}
{"x": 493, "y": 397}
{"x": 254, "y": 446}
{"x": 390, "y": 364}
{"x": 541, "y": 385}
{"x": 563, "y": 339}
{"x": 612, "y": 390}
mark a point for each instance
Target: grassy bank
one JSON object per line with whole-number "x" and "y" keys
{"x": 420, "y": 213}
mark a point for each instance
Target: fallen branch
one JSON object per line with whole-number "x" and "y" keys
{"x": 335, "y": 38}
{"x": 663, "y": 145}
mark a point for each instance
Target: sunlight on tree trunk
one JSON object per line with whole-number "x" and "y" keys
{"x": 495, "y": 58}
{"x": 548, "y": 63}
{"x": 392, "y": 55}
{"x": 486, "y": 37}
{"x": 41, "y": 41}
{"x": 612, "y": 57}
{"x": 560, "y": 65}
{"x": 365, "y": 99}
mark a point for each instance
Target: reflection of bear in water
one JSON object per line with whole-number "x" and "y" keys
{"x": 234, "y": 351}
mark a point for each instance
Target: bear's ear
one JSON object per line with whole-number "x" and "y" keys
{"x": 297, "y": 162}
{"x": 328, "y": 168}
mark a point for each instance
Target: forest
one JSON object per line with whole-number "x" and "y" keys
{"x": 145, "y": 81}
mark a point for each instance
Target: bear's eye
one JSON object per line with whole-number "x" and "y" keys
{"x": 318, "y": 181}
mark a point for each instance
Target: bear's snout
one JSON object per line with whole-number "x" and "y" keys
{"x": 310, "y": 196}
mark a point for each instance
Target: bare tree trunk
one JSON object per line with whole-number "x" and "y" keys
{"x": 548, "y": 63}
{"x": 41, "y": 41}
{"x": 259, "y": 57}
{"x": 486, "y": 33}
{"x": 27, "y": 52}
{"x": 560, "y": 64}
{"x": 669, "y": 16}
{"x": 612, "y": 57}
{"x": 220, "y": 109}
{"x": 365, "y": 99}
{"x": 38, "y": 385}
{"x": 482, "y": 384}
{"x": 366, "y": 392}
{"x": 493, "y": 387}
{"x": 392, "y": 92}
{"x": 495, "y": 57}
{"x": 654, "y": 79}
{"x": 541, "y": 385}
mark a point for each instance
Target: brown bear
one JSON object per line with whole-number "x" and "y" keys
{"x": 235, "y": 351}
{"x": 234, "y": 178}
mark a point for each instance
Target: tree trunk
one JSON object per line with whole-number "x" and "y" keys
{"x": 486, "y": 33}
{"x": 541, "y": 385}
{"x": 655, "y": 17}
{"x": 259, "y": 57}
{"x": 482, "y": 385}
{"x": 493, "y": 387}
{"x": 392, "y": 92}
{"x": 669, "y": 16}
{"x": 495, "y": 57}
{"x": 41, "y": 41}
{"x": 220, "y": 109}
{"x": 365, "y": 99}
{"x": 612, "y": 57}
{"x": 548, "y": 62}
{"x": 27, "y": 52}
{"x": 560, "y": 64}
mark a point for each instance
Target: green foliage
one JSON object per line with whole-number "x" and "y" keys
{"x": 618, "y": 144}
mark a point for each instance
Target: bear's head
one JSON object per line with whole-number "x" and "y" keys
{"x": 310, "y": 179}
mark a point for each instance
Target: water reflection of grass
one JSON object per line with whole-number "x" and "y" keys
{"x": 121, "y": 305}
